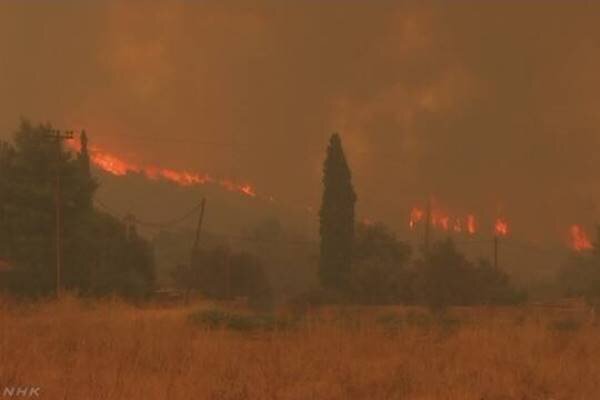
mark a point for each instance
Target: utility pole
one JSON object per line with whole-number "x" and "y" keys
{"x": 228, "y": 272}
{"x": 427, "y": 237}
{"x": 58, "y": 136}
{"x": 199, "y": 227}
{"x": 194, "y": 250}
{"x": 129, "y": 222}
{"x": 496, "y": 251}
{"x": 500, "y": 229}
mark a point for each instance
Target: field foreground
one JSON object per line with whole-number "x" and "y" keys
{"x": 109, "y": 350}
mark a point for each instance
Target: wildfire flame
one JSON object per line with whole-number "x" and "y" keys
{"x": 471, "y": 225}
{"x": 441, "y": 220}
{"x": 416, "y": 215}
{"x": 501, "y": 227}
{"x": 579, "y": 239}
{"x": 115, "y": 165}
{"x": 457, "y": 225}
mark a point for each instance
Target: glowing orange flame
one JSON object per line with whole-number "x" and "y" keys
{"x": 501, "y": 227}
{"x": 579, "y": 239}
{"x": 471, "y": 226}
{"x": 367, "y": 221}
{"x": 457, "y": 225}
{"x": 112, "y": 164}
{"x": 416, "y": 215}
{"x": 443, "y": 221}
{"x": 440, "y": 220}
{"x": 117, "y": 166}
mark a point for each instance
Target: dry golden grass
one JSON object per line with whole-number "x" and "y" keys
{"x": 109, "y": 350}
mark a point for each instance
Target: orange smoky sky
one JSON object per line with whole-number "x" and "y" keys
{"x": 488, "y": 106}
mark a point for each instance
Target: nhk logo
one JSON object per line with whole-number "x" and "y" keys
{"x": 20, "y": 392}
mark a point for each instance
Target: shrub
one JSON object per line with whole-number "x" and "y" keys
{"x": 378, "y": 274}
{"x": 447, "y": 278}
{"x": 218, "y": 319}
{"x": 580, "y": 276}
{"x": 390, "y": 321}
{"x": 221, "y": 274}
{"x": 565, "y": 325}
{"x": 422, "y": 320}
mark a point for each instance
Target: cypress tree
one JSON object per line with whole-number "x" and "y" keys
{"x": 336, "y": 218}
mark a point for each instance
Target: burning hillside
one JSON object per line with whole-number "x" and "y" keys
{"x": 116, "y": 165}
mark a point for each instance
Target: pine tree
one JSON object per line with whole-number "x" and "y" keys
{"x": 336, "y": 218}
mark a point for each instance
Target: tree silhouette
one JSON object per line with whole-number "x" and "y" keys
{"x": 99, "y": 257}
{"x": 448, "y": 278}
{"x": 379, "y": 268}
{"x": 336, "y": 218}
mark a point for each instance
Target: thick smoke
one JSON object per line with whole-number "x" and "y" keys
{"x": 492, "y": 108}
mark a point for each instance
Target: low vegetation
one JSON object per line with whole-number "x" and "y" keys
{"x": 244, "y": 322}
{"x": 372, "y": 320}
{"x": 91, "y": 350}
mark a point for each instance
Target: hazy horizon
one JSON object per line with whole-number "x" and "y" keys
{"x": 490, "y": 108}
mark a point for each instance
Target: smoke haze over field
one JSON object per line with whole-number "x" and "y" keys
{"x": 493, "y": 108}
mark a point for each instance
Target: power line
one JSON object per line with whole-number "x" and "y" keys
{"x": 242, "y": 238}
{"x": 181, "y": 140}
{"x": 108, "y": 210}
{"x": 172, "y": 222}
{"x": 158, "y": 225}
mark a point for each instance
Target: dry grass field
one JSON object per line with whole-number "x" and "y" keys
{"x": 110, "y": 350}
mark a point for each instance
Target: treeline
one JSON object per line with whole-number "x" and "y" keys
{"x": 384, "y": 271}
{"x": 354, "y": 263}
{"x": 357, "y": 263}
{"x": 100, "y": 255}
{"x": 367, "y": 264}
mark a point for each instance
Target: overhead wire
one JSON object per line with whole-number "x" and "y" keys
{"x": 175, "y": 221}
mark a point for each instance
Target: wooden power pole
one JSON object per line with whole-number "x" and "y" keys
{"x": 194, "y": 249}
{"x": 427, "y": 237}
{"x": 58, "y": 136}
{"x": 496, "y": 251}
{"x": 199, "y": 227}
{"x": 129, "y": 221}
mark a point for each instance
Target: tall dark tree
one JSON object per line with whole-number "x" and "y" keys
{"x": 98, "y": 256}
{"x": 337, "y": 218}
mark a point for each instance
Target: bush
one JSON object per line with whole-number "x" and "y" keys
{"x": 220, "y": 273}
{"x": 314, "y": 298}
{"x": 580, "y": 276}
{"x": 215, "y": 319}
{"x": 391, "y": 322}
{"x": 447, "y": 278}
{"x": 422, "y": 320}
{"x": 378, "y": 274}
{"x": 565, "y": 325}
